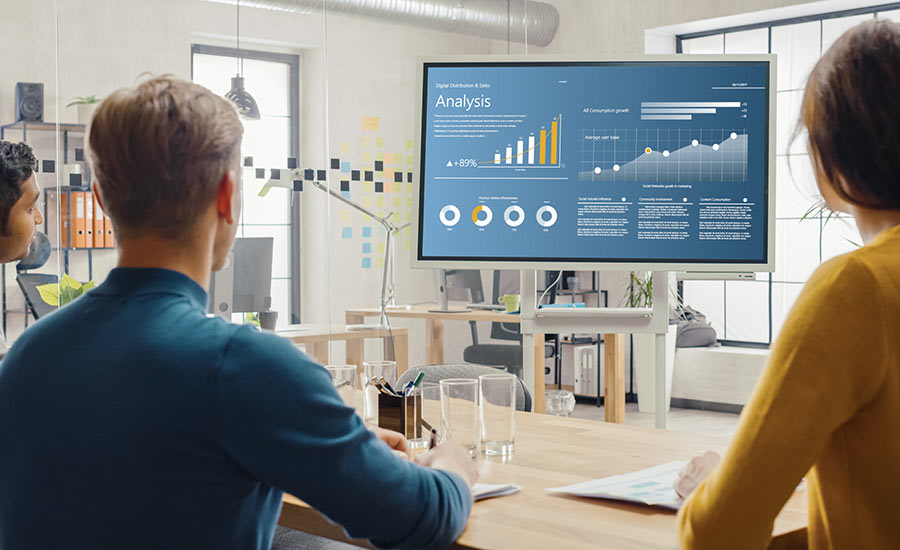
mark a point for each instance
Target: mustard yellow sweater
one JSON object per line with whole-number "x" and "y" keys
{"x": 828, "y": 407}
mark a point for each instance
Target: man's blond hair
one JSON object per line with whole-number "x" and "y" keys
{"x": 159, "y": 151}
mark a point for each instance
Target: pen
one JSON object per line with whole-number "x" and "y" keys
{"x": 418, "y": 379}
{"x": 433, "y": 441}
{"x": 388, "y": 386}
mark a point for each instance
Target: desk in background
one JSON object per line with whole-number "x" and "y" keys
{"x": 317, "y": 336}
{"x": 614, "y": 346}
{"x": 551, "y": 452}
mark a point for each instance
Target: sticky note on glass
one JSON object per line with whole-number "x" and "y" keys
{"x": 370, "y": 123}
{"x": 347, "y": 232}
{"x": 367, "y": 158}
{"x": 345, "y": 167}
{"x": 408, "y": 201}
{"x": 367, "y": 263}
{"x": 345, "y": 215}
{"x": 345, "y": 148}
{"x": 379, "y": 201}
{"x": 368, "y": 187}
{"x": 366, "y": 142}
{"x": 388, "y": 187}
{"x": 389, "y": 158}
{"x": 379, "y": 262}
{"x": 409, "y": 160}
{"x": 407, "y": 244}
{"x": 410, "y": 144}
{"x": 367, "y": 232}
{"x": 367, "y": 248}
{"x": 379, "y": 142}
{"x": 397, "y": 201}
{"x": 367, "y": 201}
{"x": 379, "y": 156}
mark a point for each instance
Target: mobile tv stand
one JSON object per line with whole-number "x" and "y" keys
{"x": 655, "y": 320}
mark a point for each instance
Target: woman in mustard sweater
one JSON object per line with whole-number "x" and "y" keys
{"x": 828, "y": 404}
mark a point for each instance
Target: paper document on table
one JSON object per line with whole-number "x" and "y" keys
{"x": 482, "y": 491}
{"x": 652, "y": 486}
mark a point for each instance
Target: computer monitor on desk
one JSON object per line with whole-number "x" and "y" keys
{"x": 244, "y": 284}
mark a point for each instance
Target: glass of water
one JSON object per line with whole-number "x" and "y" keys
{"x": 459, "y": 412}
{"x": 498, "y": 413}
{"x": 373, "y": 371}
{"x": 560, "y": 402}
{"x": 344, "y": 379}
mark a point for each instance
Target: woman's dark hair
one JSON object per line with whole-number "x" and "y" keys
{"x": 17, "y": 163}
{"x": 851, "y": 109}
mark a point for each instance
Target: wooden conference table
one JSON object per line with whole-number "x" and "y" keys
{"x": 551, "y": 452}
{"x": 317, "y": 336}
{"x": 614, "y": 346}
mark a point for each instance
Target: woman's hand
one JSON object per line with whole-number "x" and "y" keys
{"x": 395, "y": 441}
{"x": 694, "y": 472}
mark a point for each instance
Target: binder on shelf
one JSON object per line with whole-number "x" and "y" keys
{"x": 78, "y": 198}
{"x": 99, "y": 228}
{"x": 88, "y": 220}
{"x": 65, "y": 225}
{"x": 109, "y": 240}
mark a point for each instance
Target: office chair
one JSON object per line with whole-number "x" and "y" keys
{"x": 435, "y": 373}
{"x": 506, "y": 356}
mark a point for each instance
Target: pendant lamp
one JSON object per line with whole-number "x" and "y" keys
{"x": 247, "y": 107}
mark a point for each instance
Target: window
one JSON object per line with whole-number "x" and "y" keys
{"x": 272, "y": 79}
{"x": 752, "y": 312}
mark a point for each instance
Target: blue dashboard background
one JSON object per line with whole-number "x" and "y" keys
{"x": 541, "y": 92}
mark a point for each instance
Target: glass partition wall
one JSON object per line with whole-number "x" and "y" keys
{"x": 335, "y": 94}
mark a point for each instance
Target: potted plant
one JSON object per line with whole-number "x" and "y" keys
{"x": 64, "y": 292}
{"x": 640, "y": 294}
{"x": 86, "y": 107}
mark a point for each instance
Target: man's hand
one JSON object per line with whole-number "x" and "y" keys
{"x": 695, "y": 472}
{"x": 452, "y": 457}
{"x": 395, "y": 441}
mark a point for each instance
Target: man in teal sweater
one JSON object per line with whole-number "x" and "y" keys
{"x": 129, "y": 419}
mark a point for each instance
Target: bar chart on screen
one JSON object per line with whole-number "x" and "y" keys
{"x": 539, "y": 149}
{"x": 664, "y": 155}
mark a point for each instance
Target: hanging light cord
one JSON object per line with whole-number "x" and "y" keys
{"x": 240, "y": 60}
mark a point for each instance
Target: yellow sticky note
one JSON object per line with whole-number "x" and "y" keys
{"x": 409, "y": 201}
{"x": 409, "y": 160}
{"x": 379, "y": 248}
{"x": 398, "y": 201}
{"x": 379, "y": 262}
{"x": 408, "y": 217}
{"x": 379, "y": 142}
{"x": 345, "y": 215}
{"x": 345, "y": 147}
{"x": 379, "y": 201}
{"x": 367, "y": 158}
{"x": 366, "y": 218}
{"x": 379, "y": 156}
{"x": 368, "y": 187}
{"x": 366, "y": 142}
{"x": 367, "y": 201}
{"x": 379, "y": 175}
{"x": 370, "y": 123}
{"x": 409, "y": 188}
{"x": 389, "y": 158}
{"x": 407, "y": 244}
{"x": 398, "y": 157}
{"x": 407, "y": 229}
{"x": 410, "y": 144}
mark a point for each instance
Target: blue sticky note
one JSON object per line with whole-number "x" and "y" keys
{"x": 367, "y": 263}
{"x": 345, "y": 167}
{"x": 347, "y": 232}
{"x": 367, "y": 248}
{"x": 367, "y": 232}
{"x": 345, "y": 194}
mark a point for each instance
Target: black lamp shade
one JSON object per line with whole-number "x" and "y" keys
{"x": 245, "y": 103}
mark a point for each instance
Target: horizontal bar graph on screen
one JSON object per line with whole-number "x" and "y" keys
{"x": 687, "y": 110}
{"x": 664, "y": 155}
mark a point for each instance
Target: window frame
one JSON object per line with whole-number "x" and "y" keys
{"x": 769, "y": 25}
{"x": 293, "y": 62}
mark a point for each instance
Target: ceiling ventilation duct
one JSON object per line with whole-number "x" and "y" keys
{"x": 495, "y": 19}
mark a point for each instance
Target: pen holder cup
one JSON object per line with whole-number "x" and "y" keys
{"x": 401, "y": 414}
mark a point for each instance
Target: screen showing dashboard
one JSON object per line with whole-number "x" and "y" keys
{"x": 595, "y": 162}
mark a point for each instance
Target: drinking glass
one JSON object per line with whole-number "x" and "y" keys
{"x": 459, "y": 412}
{"x": 498, "y": 413}
{"x": 344, "y": 379}
{"x": 560, "y": 402}
{"x": 373, "y": 371}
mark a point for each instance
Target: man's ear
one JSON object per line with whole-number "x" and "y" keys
{"x": 224, "y": 196}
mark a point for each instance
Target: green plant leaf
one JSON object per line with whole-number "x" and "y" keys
{"x": 49, "y": 294}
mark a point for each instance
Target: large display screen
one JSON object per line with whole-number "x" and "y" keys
{"x": 595, "y": 162}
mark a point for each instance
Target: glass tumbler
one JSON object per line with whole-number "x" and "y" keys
{"x": 498, "y": 413}
{"x": 459, "y": 412}
{"x": 374, "y": 371}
